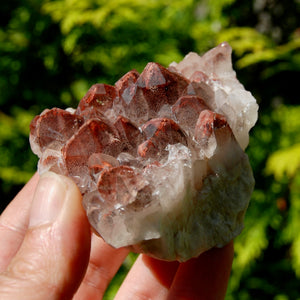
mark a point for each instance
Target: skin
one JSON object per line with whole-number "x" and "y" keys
{"x": 48, "y": 251}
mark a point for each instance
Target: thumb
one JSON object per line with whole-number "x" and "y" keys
{"x": 54, "y": 255}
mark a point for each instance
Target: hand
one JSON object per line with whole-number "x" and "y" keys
{"x": 48, "y": 252}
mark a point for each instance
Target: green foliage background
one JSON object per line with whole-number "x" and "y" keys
{"x": 52, "y": 51}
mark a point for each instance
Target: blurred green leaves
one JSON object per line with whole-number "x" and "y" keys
{"x": 284, "y": 162}
{"x": 14, "y": 132}
{"x": 121, "y": 34}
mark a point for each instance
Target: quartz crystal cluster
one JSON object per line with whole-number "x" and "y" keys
{"x": 158, "y": 157}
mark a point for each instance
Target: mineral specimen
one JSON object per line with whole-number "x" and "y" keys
{"x": 158, "y": 157}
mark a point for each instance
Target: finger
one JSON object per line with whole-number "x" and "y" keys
{"x": 14, "y": 222}
{"x": 149, "y": 278}
{"x": 205, "y": 277}
{"x": 54, "y": 255}
{"x": 103, "y": 265}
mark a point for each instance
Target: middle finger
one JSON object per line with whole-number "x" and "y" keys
{"x": 103, "y": 265}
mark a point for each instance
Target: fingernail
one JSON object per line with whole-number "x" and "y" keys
{"x": 48, "y": 200}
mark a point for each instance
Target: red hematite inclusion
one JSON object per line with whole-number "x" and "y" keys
{"x": 158, "y": 157}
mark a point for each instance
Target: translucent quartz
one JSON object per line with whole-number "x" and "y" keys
{"x": 158, "y": 157}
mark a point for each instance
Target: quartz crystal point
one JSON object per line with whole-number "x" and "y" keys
{"x": 158, "y": 157}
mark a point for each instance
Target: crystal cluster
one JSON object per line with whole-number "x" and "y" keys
{"x": 158, "y": 157}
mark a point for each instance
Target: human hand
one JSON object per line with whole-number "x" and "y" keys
{"x": 48, "y": 252}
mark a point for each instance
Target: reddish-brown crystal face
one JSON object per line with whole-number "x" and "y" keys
{"x": 207, "y": 123}
{"x": 129, "y": 134}
{"x": 98, "y": 99}
{"x": 126, "y": 81}
{"x": 160, "y": 86}
{"x": 53, "y": 128}
{"x": 155, "y": 156}
{"x": 121, "y": 186}
{"x": 95, "y": 136}
{"x": 187, "y": 109}
{"x": 160, "y": 132}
